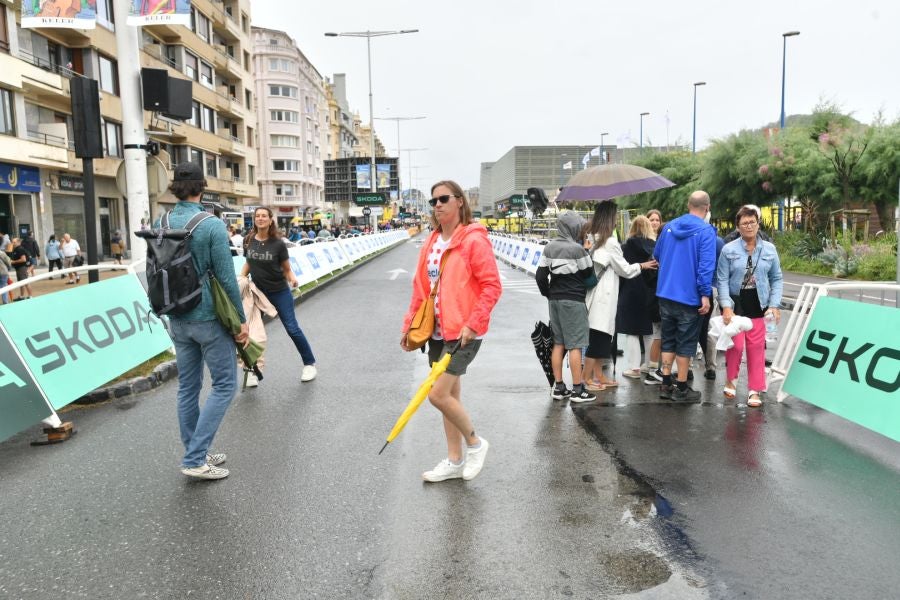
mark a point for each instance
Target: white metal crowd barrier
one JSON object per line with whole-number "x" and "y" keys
{"x": 806, "y": 302}
{"x": 519, "y": 252}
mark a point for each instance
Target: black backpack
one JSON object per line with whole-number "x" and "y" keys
{"x": 173, "y": 285}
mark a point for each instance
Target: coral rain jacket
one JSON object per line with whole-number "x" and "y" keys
{"x": 469, "y": 286}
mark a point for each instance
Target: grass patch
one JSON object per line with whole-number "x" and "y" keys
{"x": 143, "y": 369}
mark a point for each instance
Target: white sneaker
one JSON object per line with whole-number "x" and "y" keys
{"x": 216, "y": 459}
{"x": 443, "y": 471}
{"x": 308, "y": 373}
{"x": 205, "y": 472}
{"x": 475, "y": 460}
{"x": 252, "y": 379}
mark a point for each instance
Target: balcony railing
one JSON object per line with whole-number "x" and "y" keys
{"x": 49, "y": 139}
{"x": 48, "y": 65}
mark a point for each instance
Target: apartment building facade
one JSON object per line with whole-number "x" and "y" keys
{"x": 292, "y": 110}
{"x": 41, "y": 181}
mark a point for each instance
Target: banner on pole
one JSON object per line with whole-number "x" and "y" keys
{"x": 363, "y": 177}
{"x": 158, "y": 12}
{"x": 64, "y": 14}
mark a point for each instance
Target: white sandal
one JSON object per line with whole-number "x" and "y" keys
{"x": 729, "y": 392}
{"x": 753, "y": 399}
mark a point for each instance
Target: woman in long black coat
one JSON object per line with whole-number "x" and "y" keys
{"x": 637, "y": 297}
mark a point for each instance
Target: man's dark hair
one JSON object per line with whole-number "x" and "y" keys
{"x": 185, "y": 189}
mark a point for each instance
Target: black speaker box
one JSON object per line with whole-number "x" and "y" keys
{"x": 86, "y": 117}
{"x": 180, "y": 91}
{"x": 154, "y": 84}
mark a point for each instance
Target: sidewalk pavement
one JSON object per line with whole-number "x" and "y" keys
{"x": 55, "y": 284}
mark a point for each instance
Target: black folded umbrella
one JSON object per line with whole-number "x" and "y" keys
{"x": 542, "y": 338}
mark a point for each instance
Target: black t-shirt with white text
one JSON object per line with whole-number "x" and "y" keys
{"x": 265, "y": 260}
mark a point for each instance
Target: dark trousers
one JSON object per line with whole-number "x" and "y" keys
{"x": 51, "y": 262}
{"x": 283, "y": 302}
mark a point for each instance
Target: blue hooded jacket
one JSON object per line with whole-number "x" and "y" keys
{"x": 686, "y": 251}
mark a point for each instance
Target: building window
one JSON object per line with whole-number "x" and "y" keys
{"x": 195, "y": 114}
{"x": 290, "y": 116}
{"x": 211, "y": 165}
{"x": 273, "y": 42}
{"x": 109, "y": 75}
{"x": 200, "y": 24}
{"x": 285, "y": 141}
{"x": 251, "y": 174}
{"x": 190, "y": 66}
{"x": 248, "y": 99}
{"x": 206, "y": 75}
{"x": 4, "y": 34}
{"x": 286, "y": 165}
{"x": 112, "y": 138}
{"x": 284, "y": 189}
{"x": 249, "y": 140}
{"x": 197, "y": 157}
{"x": 105, "y": 14}
{"x": 208, "y": 119}
{"x": 7, "y": 122}
{"x": 283, "y": 90}
{"x": 282, "y": 64}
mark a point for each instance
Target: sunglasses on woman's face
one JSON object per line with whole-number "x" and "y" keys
{"x": 442, "y": 199}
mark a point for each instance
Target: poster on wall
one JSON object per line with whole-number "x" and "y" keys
{"x": 363, "y": 181}
{"x": 383, "y": 175}
{"x": 156, "y": 12}
{"x": 67, "y": 14}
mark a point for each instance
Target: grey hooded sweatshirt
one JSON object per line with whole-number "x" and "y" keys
{"x": 565, "y": 265}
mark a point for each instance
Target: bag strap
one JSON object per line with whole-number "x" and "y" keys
{"x": 438, "y": 280}
{"x": 196, "y": 220}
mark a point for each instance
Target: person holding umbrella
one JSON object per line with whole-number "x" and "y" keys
{"x": 459, "y": 259}
{"x": 270, "y": 269}
{"x": 198, "y": 335}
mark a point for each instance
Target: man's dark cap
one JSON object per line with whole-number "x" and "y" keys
{"x": 188, "y": 171}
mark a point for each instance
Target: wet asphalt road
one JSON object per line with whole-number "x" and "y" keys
{"x": 626, "y": 499}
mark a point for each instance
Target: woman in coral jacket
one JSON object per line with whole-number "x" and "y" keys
{"x": 469, "y": 288}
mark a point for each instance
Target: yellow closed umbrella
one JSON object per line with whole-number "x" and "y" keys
{"x": 436, "y": 370}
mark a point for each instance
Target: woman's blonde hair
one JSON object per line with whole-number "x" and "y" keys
{"x": 465, "y": 211}
{"x": 641, "y": 227}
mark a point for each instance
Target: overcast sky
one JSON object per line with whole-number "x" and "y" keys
{"x": 493, "y": 74}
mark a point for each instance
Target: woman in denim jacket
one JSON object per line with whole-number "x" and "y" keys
{"x": 749, "y": 282}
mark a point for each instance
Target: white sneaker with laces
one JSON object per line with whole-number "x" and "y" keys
{"x": 216, "y": 459}
{"x": 475, "y": 460}
{"x": 205, "y": 472}
{"x": 252, "y": 379}
{"x": 308, "y": 373}
{"x": 443, "y": 471}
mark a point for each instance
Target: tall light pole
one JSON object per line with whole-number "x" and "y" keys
{"x": 419, "y": 208}
{"x": 694, "y": 143}
{"x": 602, "y": 135}
{"x": 784, "y": 37}
{"x": 643, "y": 114}
{"x": 398, "y": 119}
{"x": 369, "y": 35}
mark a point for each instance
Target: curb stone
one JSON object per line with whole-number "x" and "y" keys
{"x": 169, "y": 370}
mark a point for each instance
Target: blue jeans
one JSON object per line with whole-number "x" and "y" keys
{"x": 197, "y": 342}
{"x": 283, "y": 302}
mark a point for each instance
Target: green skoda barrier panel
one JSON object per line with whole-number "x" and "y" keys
{"x": 76, "y": 340}
{"x": 22, "y": 404}
{"x": 848, "y": 363}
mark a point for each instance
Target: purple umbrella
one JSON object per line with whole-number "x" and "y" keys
{"x": 604, "y": 182}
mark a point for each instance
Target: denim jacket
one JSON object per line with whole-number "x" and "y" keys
{"x": 733, "y": 266}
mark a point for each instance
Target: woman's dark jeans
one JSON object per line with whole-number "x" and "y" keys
{"x": 283, "y": 302}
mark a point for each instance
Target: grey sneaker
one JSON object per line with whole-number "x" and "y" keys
{"x": 665, "y": 391}
{"x": 205, "y": 472}
{"x": 443, "y": 471}
{"x": 475, "y": 460}
{"x": 687, "y": 395}
{"x": 582, "y": 396}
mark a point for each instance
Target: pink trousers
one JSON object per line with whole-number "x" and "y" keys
{"x": 755, "y": 342}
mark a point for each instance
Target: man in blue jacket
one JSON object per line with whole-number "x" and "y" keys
{"x": 686, "y": 253}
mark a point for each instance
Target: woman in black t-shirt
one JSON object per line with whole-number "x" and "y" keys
{"x": 269, "y": 268}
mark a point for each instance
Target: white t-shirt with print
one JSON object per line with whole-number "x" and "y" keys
{"x": 434, "y": 267}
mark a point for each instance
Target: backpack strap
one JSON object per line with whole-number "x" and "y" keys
{"x": 164, "y": 220}
{"x": 196, "y": 220}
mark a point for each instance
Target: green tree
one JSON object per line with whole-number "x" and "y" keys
{"x": 880, "y": 171}
{"x": 682, "y": 168}
{"x": 843, "y": 141}
{"x": 730, "y": 172}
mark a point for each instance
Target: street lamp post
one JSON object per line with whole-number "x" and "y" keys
{"x": 602, "y": 156}
{"x": 419, "y": 207}
{"x": 694, "y": 143}
{"x": 369, "y": 35}
{"x": 784, "y": 37}
{"x": 643, "y": 114}
{"x": 398, "y": 119}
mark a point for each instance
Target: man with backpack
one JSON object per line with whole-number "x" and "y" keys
{"x": 198, "y": 335}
